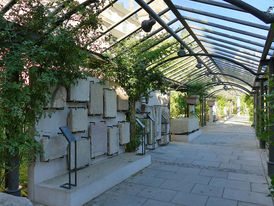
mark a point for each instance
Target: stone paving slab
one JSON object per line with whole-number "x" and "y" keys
{"x": 190, "y": 199}
{"x": 252, "y": 197}
{"x": 220, "y": 182}
{"x": 214, "y": 201}
{"x": 208, "y": 190}
{"x": 222, "y": 167}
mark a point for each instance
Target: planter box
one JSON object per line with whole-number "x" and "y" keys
{"x": 211, "y": 102}
{"x": 192, "y": 99}
{"x": 184, "y": 125}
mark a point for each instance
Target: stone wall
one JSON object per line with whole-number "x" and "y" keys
{"x": 95, "y": 114}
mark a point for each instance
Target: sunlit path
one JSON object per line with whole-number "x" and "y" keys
{"x": 222, "y": 167}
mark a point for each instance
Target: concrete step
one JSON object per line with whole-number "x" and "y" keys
{"x": 92, "y": 180}
{"x": 186, "y": 138}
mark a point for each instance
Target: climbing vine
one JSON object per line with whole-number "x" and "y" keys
{"x": 130, "y": 68}
{"x": 41, "y": 45}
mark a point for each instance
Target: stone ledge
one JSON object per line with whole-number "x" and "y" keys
{"x": 186, "y": 138}
{"x": 92, "y": 181}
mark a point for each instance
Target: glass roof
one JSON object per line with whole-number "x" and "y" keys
{"x": 210, "y": 27}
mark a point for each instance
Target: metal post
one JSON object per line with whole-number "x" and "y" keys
{"x": 13, "y": 177}
{"x": 261, "y": 126}
{"x": 270, "y": 117}
{"x": 257, "y": 112}
{"x": 204, "y": 112}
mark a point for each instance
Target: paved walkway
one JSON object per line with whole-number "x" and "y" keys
{"x": 222, "y": 167}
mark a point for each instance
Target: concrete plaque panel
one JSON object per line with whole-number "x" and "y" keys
{"x": 80, "y": 91}
{"x": 110, "y": 103}
{"x": 122, "y": 100}
{"x": 53, "y": 147}
{"x": 95, "y": 104}
{"x": 83, "y": 153}
{"x": 124, "y": 133}
{"x": 59, "y": 97}
{"x": 78, "y": 119}
{"x": 113, "y": 140}
{"x": 98, "y": 134}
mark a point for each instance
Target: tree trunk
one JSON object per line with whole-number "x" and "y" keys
{"x": 132, "y": 118}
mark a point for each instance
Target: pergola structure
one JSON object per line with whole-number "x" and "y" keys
{"x": 234, "y": 54}
{"x": 217, "y": 48}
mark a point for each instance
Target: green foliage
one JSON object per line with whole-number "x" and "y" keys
{"x": 135, "y": 141}
{"x": 222, "y": 102}
{"x": 178, "y": 105}
{"x": 130, "y": 68}
{"x": 36, "y": 54}
{"x": 198, "y": 88}
{"x": 248, "y": 100}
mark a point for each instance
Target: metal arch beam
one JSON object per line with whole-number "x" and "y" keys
{"x": 229, "y": 42}
{"x": 231, "y": 65}
{"x": 186, "y": 62}
{"x": 219, "y": 90}
{"x": 230, "y": 48}
{"x": 228, "y": 36}
{"x": 252, "y": 10}
{"x": 167, "y": 28}
{"x": 229, "y": 75}
{"x": 219, "y": 4}
{"x": 225, "y": 18}
{"x": 135, "y": 30}
{"x": 228, "y": 83}
{"x": 185, "y": 24}
{"x": 240, "y": 57}
{"x": 219, "y": 26}
{"x": 212, "y": 55}
{"x": 119, "y": 22}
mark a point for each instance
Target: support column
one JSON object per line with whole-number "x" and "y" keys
{"x": 270, "y": 117}
{"x": 202, "y": 112}
{"x": 191, "y": 110}
{"x": 261, "y": 112}
{"x": 204, "y": 103}
{"x": 210, "y": 114}
{"x": 211, "y": 103}
{"x": 257, "y": 111}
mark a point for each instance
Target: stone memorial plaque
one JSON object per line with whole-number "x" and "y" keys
{"x": 83, "y": 152}
{"x": 98, "y": 134}
{"x": 78, "y": 119}
{"x": 122, "y": 100}
{"x": 110, "y": 103}
{"x": 124, "y": 133}
{"x": 53, "y": 147}
{"x": 113, "y": 140}
{"x": 80, "y": 91}
{"x": 59, "y": 98}
{"x": 95, "y": 104}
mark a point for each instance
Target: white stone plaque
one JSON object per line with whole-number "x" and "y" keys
{"x": 124, "y": 133}
{"x": 113, "y": 140}
{"x": 53, "y": 147}
{"x": 83, "y": 153}
{"x": 110, "y": 104}
{"x": 122, "y": 100}
{"x": 78, "y": 119}
{"x": 80, "y": 91}
{"x": 95, "y": 104}
{"x": 98, "y": 134}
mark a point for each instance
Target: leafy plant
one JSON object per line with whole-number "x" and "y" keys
{"x": 40, "y": 47}
{"x": 198, "y": 88}
{"x": 130, "y": 68}
{"x": 178, "y": 105}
